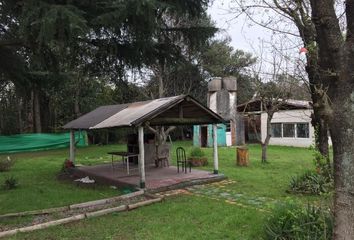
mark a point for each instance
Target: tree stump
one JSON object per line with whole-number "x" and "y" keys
{"x": 242, "y": 156}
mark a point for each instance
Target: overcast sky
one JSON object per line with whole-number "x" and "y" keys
{"x": 242, "y": 35}
{"x": 249, "y": 37}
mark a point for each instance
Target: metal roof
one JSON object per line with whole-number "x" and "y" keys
{"x": 134, "y": 114}
{"x": 289, "y": 104}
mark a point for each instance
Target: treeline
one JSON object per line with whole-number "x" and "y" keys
{"x": 60, "y": 59}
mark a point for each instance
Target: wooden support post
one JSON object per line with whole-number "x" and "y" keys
{"x": 72, "y": 146}
{"x": 141, "y": 157}
{"x": 215, "y": 149}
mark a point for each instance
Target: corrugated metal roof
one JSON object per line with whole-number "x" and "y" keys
{"x": 134, "y": 112}
{"x": 131, "y": 114}
{"x": 288, "y": 104}
{"x": 94, "y": 117}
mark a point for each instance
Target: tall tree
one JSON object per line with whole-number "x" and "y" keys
{"x": 336, "y": 63}
{"x": 281, "y": 14}
{"x": 45, "y": 42}
{"x": 219, "y": 59}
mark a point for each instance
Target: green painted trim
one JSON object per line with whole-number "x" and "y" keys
{"x": 142, "y": 184}
{"x": 216, "y": 171}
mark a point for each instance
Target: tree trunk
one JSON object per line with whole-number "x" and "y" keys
{"x": 321, "y": 134}
{"x": 30, "y": 113}
{"x": 267, "y": 139}
{"x": 342, "y": 132}
{"x": 337, "y": 64}
{"x": 19, "y": 115}
{"x": 264, "y": 153}
{"x": 37, "y": 111}
{"x": 77, "y": 103}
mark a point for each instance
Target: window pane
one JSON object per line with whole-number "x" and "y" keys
{"x": 288, "y": 130}
{"x": 276, "y": 130}
{"x": 228, "y": 127}
{"x": 302, "y": 130}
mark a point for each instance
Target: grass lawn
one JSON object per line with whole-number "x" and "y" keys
{"x": 205, "y": 214}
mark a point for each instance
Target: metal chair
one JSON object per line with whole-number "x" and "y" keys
{"x": 182, "y": 160}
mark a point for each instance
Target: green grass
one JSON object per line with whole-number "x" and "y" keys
{"x": 182, "y": 217}
{"x": 39, "y": 188}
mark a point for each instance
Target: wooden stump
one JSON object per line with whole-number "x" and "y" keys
{"x": 242, "y": 156}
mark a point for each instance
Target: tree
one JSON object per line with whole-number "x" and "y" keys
{"x": 219, "y": 59}
{"x": 44, "y": 43}
{"x": 335, "y": 86}
{"x": 281, "y": 15}
{"x": 273, "y": 96}
{"x": 336, "y": 68}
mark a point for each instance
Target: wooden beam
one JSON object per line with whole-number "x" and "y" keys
{"x": 72, "y": 146}
{"x": 215, "y": 149}
{"x": 180, "y": 121}
{"x": 180, "y": 110}
{"x": 141, "y": 157}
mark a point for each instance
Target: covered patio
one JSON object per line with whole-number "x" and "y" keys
{"x": 171, "y": 111}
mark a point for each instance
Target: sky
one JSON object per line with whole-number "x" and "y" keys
{"x": 256, "y": 39}
{"x": 242, "y": 35}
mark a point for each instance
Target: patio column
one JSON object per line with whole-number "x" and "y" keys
{"x": 215, "y": 149}
{"x": 72, "y": 146}
{"x": 141, "y": 156}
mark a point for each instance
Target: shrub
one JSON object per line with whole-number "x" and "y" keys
{"x": 197, "y": 152}
{"x": 311, "y": 183}
{"x": 10, "y": 183}
{"x": 197, "y": 157}
{"x": 6, "y": 163}
{"x": 291, "y": 221}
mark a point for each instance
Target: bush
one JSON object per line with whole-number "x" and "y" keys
{"x": 291, "y": 221}
{"x": 197, "y": 157}
{"x": 197, "y": 152}
{"x": 311, "y": 183}
{"x": 10, "y": 183}
{"x": 6, "y": 163}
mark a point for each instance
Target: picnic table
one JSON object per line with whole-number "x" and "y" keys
{"x": 125, "y": 158}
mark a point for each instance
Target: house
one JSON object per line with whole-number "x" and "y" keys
{"x": 291, "y": 126}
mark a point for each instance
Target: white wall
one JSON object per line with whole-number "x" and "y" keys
{"x": 290, "y": 116}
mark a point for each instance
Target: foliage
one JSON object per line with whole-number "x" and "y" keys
{"x": 310, "y": 183}
{"x": 6, "y": 163}
{"x": 72, "y": 56}
{"x": 10, "y": 183}
{"x": 196, "y": 152}
{"x": 323, "y": 165}
{"x": 292, "y": 221}
{"x": 219, "y": 59}
{"x": 314, "y": 182}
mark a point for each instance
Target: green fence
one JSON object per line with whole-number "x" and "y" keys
{"x": 39, "y": 141}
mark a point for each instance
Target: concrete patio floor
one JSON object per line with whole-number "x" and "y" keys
{"x": 157, "y": 179}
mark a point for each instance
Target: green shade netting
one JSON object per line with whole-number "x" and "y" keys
{"x": 39, "y": 141}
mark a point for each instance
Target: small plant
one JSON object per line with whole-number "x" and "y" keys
{"x": 316, "y": 182}
{"x": 197, "y": 152}
{"x": 197, "y": 157}
{"x": 292, "y": 221}
{"x": 10, "y": 183}
{"x": 311, "y": 183}
{"x": 323, "y": 165}
{"x": 67, "y": 165}
{"x": 6, "y": 163}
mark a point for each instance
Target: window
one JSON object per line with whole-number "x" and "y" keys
{"x": 288, "y": 130}
{"x": 276, "y": 130}
{"x": 302, "y": 130}
{"x": 228, "y": 127}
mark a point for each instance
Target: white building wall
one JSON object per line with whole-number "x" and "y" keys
{"x": 290, "y": 116}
